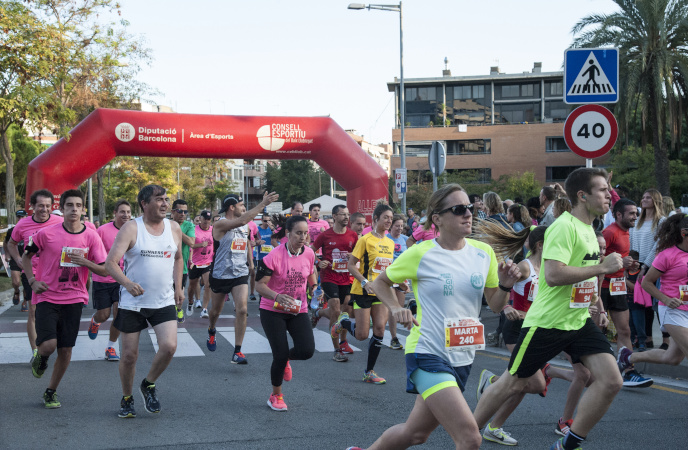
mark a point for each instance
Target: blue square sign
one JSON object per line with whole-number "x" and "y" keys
{"x": 591, "y": 75}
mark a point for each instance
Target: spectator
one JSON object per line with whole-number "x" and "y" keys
{"x": 533, "y": 206}
{"x": 412, "y": 218}
{"x": 494, "y": 207}
{"x": 669, "y": 208}
{"x": 478, "y": 206}
{"x": 518, "y": 217}
{"x": 547, "y": 197}
{"x": 561, "y": 205}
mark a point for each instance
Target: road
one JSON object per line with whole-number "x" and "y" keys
{"x": 209, "y": 403}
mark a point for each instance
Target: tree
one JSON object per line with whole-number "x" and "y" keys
{"x": 652, "y": 37}
{"x": 294, "y": 180}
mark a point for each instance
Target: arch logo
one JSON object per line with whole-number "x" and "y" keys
{"x": 125, "y": 132}
{"x": 267, "y": 140}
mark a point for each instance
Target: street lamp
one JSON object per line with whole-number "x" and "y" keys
{"x": 402, "y": 94}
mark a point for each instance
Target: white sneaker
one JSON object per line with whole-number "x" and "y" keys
{"x": 204, "y": 314}
{"x": 499, "y": 436}
{"x": 189, "y": 310}
{"x": 198, "y": 304}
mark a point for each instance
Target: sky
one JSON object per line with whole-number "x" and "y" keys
{"x": 317, "y": 58}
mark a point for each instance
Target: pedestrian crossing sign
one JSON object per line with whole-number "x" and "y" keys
{"x": 591, "y": 75}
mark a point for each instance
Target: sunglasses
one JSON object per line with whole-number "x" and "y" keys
{"x": 181, "y": 211}
{"x": 457, "y": 210}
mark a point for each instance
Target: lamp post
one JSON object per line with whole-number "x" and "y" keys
{"x": 402, "y": 94}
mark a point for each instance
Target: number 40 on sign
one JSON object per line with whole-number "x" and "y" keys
{"x": 590, "y": 131}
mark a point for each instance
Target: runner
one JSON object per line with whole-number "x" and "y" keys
{"x": 15, "y": 269}
{"x": 376, "y": 252}
{"x": 336, "y": 244}
{"x": 316, "y": 225}
{"x": 68, "y": 251}
{"x": 400, "y": 290}
{"x": 254, "y": 236}
{"x": 558, "y": 319}
{"x": 180, "y": 212}
{"x": 41, "y": 202}
{"x": 449, "y": 275}
{"x": 151, "y": 286}
{"x": 229, "y": 273}
{"x": 263, "y": 246}
{"x": 669, "y": 266}
{"x": 357, "y": 222}
{"x": 201, "y": 259}
{"x": 106, "y": 289}
{"x": 297, "y": 209}
{"x": 420, "y": 234}
{"x": 284, "y": 276}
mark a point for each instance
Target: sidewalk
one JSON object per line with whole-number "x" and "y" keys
{"x": 491, "y": 320}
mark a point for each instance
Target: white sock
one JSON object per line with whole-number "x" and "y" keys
{"x": 93, "y": 317}
{"x": 112, "y": 344}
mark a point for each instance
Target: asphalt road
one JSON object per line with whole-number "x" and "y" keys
{"x": 208, "y": 403}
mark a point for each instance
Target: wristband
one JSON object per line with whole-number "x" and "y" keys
{"x": 504, "y": 288}
{"x": 32, "y": 280}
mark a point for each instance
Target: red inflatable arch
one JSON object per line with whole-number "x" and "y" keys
{"x": 107, "y": 133}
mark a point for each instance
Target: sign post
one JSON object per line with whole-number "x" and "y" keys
{"x": 437, "y": 160}
{"x": 400, "y": 182}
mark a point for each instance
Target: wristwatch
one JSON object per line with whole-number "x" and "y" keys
{"x": 364, "y": 282}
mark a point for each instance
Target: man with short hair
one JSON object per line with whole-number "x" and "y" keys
{"x": 613, "y": 291}
{"x": 230, "y": 267}
{"x": 559, "y": 319}
{"x": 357, "y": 221}
{"x": 41, "y": 202}
{"x": 14, "y": 269}
{"x": 412, "y": 218}
{"x": 151, "y": 286}
{"x": 105, "y": 288}
{"x": 547, "y": 197}
{"x": 297, "y": 209}
{"x": 316, "y": 225}
{"x": 201, "y": 259}
{"x": 180, "y": 212}
{"x": 68, "y": 251}
{"x": 478, "y": 206}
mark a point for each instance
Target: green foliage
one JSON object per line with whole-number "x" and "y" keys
{"x": 296, "y": 180}
{"x": 514, "y": 185}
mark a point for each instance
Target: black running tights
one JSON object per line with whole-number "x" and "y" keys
{"x": 276, "y": 325}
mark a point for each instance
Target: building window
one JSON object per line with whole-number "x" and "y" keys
{"x": 510, "y": 90}
{"x": 517, "y": 112}
{"x": 556, "y": 89}
{"x": 559, "y": 173}
{"x": 237, "y": 174}
{"x": 473, "y": 176}
{"x": 421, "y": 94}
{"x": 469, "y": 92}
{"x": 469, "y": 147}
{"x": 556, "y": 144}
{"x": 416, "y": 149}
{"x": 527, "y": 90}
{"x": 556, "y": 110}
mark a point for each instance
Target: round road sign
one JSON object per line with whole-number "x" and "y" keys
{"x": 590, "y": 131}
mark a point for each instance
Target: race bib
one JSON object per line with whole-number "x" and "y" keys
{"x": 340, "y": 265}
{"x": 265, "y": 248}
{"x": 582, "y": 293}
{"x": 381, "y": 264}
{"x": 463, "y": 334}
{"x": 65, "y": 258}
{"x": 683, "y": 294}
{"x": 294, "y": 308}
{"x": 532, "y": 292}
{"x": 239, "y": 244}
{"x": 617, "y": 286}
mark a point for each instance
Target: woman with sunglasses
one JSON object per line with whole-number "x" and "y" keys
{"x": 375, "y": 251}
{"x": 284, "y": 276}
{"x": 670, "y": 267}
{"x": 450, "y": 274}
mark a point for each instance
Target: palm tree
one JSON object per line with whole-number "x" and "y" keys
{"x": 652, "y": 37}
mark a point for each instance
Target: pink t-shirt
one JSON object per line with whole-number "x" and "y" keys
{"x": 203, "y": 256}
{"x": 317, "y": 227}
{"x": 673, "y": 263}
{"x": 27, "y": 227}
{"x": 421, "y": 234}
{"x": 289, "y": 275}
{"x": 67, "y": 284}
{"x": 107, "y": 234}
{"x": 253, "y": 228}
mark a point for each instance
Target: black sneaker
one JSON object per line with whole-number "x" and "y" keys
{"x": 50, "y": 400}
{"x": 38, "y": 365}
{"x": 126, "y": 408}
{"x": 150, "y": 400}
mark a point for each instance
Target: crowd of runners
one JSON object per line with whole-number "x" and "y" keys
{"x": 559, "y": 269}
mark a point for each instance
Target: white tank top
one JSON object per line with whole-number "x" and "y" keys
{"x": 150, "y": 263}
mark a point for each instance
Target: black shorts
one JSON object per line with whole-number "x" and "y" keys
{"x": 222, "y": 286}
{"x": 511, "y": 330}
{"x": 196, "y": 272}
{"x": 613, "y": 302}
{"x": 13, "y": 265}
{"x": 536, "y": 346}
{"x": 27, "y": 287}
{"x": 339, "y": 291}
{"x": 58, "y": 321}
{"x": 134, "y": 321}
{"x": 105, "y": 295}
{"x": 364, "y": 301}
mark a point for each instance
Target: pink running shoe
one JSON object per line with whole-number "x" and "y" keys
{"x": 276, "y": 402}
{"x": 287, "y": 372}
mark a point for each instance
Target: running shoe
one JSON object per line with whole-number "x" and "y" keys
{"x": 180, "y": 316}
{"x": 15, "y": 298}
{"x": 346, "y": 348}
{"x": 211, "y": 343}
{"x": 204, "y": 314}
{"x": 239, "y": 358}
{"x": 33, "y": 355}
{"x": 634, "y": 380}
{"x": 276, "y": 402}
{"x": 339, "y": 356}
{"x": 50, "y": 400}
{"x": 38, "y": 365}
{"x": 93, "y": 329}
{"x": 313, "y": 313}
{"x": 371, "y": 377}
{"x": 287, "y": 372}
{"x": 499, "y": 436}
{"x": 623, "y": 360}
{"x": 24, "y": 307}
{"x": 337, "y": 327}
{"x": 199, "y": 305}
{"x": 563, "y": 426}
{"x": 483, "y": 383}
{"x": 664, "y": 346}
{"x": 548, "y": 380}
{"x": 150, "y": 400}
{"x": 394, "y": 344}
{"x": 111, "y": 354}
{"x": 126, "y": 408}
{"x": 252, "y": 297}
{"x": 189, "y": 309}
{"x": 559, "y": 445}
